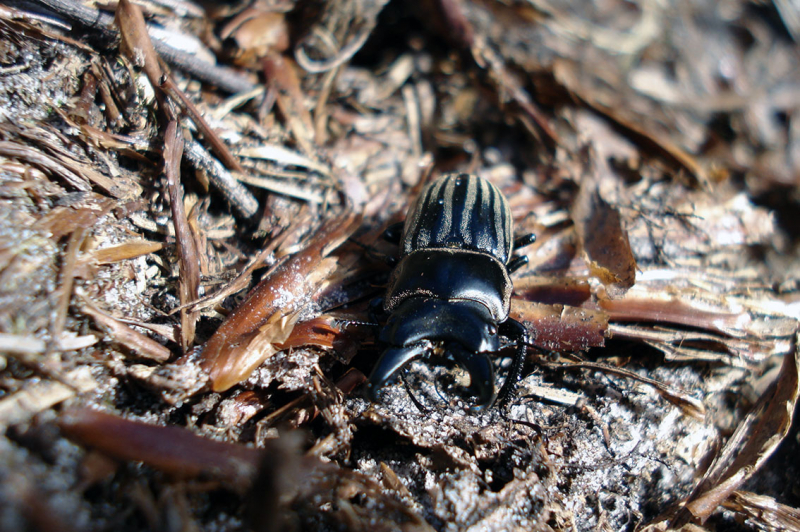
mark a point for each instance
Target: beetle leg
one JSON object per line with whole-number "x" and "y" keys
{"x": 375, "y": 309}
{"x": 513, "y": 329}
{"x": 481, "y": 375}
{"x": 394, "y": 233}
{"x": 525, "y": 240}
{"x": 516, "y": 263}
{"x": 392, "y": 360}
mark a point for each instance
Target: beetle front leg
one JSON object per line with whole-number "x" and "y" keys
{"x": 513, "y": 329}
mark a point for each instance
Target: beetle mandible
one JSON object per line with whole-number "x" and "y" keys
{"x": 451, "y": 290}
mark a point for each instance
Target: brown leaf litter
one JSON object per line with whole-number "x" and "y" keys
{"x": 192, "y": 197}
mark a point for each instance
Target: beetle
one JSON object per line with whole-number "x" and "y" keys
{"x": 451, "y": 289}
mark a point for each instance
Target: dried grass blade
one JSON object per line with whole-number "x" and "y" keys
{"x": 291, "y": 100}
{"x": 44, "y": 162}
{"x": 754, "y": 440}
{"x": 689, "y": 345}
{"x": 66, "y": 281}
{"x": 242, "y": 280}
{"x": 231, "y": 189}
{"x": 283, "y": 156}
{"x": 124, "y": 335}
{"x": 690, "y": 406}
{"x": 136, "y": 43}
{"x": 139, "y": 49}
{"x": 561, "y": 327}
{"x": 282, "y": 187}
{"x": 565, "y": 74}
{"x": 37, "y": 396}
{"x": 765, "y": 512}
{"x": 461, "y": 29}
{"x": 218, "y": 146}
{"x": 24, "y": 346}
{"x": 126, "y": 251}
{"x": 223, "y": 77}
{"x": 185, "y": 240}
{"x": 666, "y": 308}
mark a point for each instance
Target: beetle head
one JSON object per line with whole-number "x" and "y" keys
{"x": 464, "y": 329}
{"x": 465, "y": 322}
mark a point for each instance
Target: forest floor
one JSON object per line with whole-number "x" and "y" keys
{"x": 192, "y": 204}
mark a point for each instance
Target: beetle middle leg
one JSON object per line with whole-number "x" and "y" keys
{"x": 389, "y": 260}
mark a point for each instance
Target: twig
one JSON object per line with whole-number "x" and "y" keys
{"x": 224, "y": 78}
{"x": 233, "y": 191}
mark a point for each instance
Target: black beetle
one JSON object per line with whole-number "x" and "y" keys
{"x": 451, "y": 289}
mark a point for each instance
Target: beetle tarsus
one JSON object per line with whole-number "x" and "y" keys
{"x": 393, "y": 233}
{"x": 519, "y": 261}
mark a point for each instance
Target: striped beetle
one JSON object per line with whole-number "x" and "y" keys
{"x": 451, "y": 290}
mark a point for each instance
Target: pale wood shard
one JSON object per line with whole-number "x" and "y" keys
{"x": 36, "y": 397}
{"x": 126, "y": 336}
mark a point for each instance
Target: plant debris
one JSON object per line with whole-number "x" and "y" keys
{"x": 192, "y": 204}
